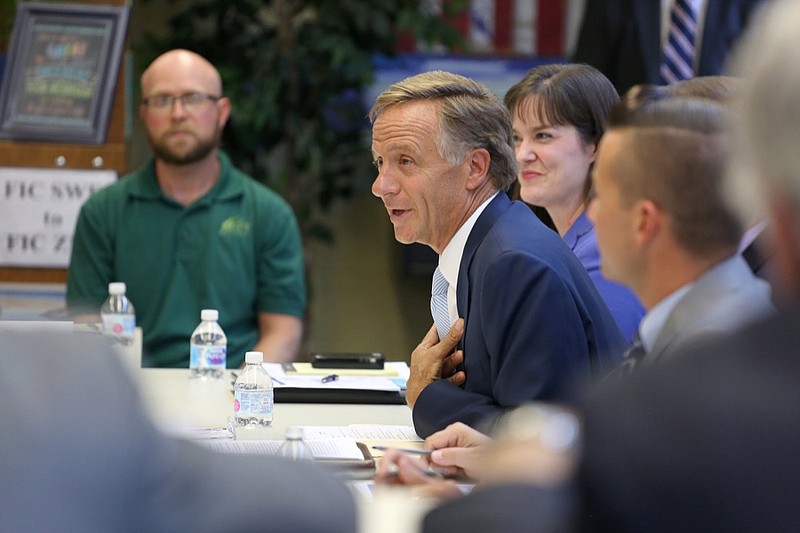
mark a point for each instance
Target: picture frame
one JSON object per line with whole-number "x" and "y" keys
{"x": 61, "y": 72}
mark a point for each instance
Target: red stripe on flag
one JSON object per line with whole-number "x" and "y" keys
{"x": 503, "y": 10}
{"x": 550, "y": 28}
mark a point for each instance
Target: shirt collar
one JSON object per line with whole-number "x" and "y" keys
{"x": 450, "y": 259}
{"x": 653, "y": 322}
{"x": 751, "y": 234}
{"x": 578, "y": 229}
{"x": 225, "y": 187}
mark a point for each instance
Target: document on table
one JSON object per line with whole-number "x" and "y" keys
{"x": 363, "y": 432}
{"x": 321, "y": 449}
{"x": 370, "y": 434}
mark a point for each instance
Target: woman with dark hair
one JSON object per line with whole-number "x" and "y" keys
{"x": 558, "y": 113}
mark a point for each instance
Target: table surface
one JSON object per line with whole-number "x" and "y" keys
{"x": 174, "y": 399}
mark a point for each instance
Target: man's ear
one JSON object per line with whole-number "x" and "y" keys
{"x": 224, "y": 107}
{"x": 649, "y": 222}
{"x": 478, "y": 161}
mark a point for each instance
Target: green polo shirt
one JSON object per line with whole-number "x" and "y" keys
{"x": 237, "y": 250}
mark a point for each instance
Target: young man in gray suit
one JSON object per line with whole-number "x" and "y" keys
{"x": 79, "y": 454}
{"x": 663, "y": 227}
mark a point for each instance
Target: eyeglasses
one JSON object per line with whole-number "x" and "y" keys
{"x": 190, "y": 102}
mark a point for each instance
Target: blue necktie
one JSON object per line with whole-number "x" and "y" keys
{"x": 441, "y": 316}
{"x": 679, "y": 49}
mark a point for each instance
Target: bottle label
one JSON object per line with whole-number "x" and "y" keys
{"x": 202, "y": 356}
{"x": 119, "y": 325}
{"x": 253, "y": 402}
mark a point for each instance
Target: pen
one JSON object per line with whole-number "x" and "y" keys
{"x": 414, "y": 451}
{"x": 329, "y": 378}
{"x": 393, "y": 471}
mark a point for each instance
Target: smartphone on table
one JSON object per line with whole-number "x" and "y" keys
{"x": 356, "y": 360}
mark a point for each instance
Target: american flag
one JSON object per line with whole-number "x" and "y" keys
{"x": 519, "y": 27}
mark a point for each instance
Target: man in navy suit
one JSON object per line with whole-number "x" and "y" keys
{"x": 623, "y": 38}
{"x": 530, "y": 316}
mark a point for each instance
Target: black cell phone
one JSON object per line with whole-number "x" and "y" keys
{"x": 364, "y": 360}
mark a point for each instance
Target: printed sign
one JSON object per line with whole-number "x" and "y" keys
{"x": 38, "y": 212}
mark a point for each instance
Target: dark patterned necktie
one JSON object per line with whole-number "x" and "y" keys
{"x": 631, "y": 359}
{"x": 679, "y": 49}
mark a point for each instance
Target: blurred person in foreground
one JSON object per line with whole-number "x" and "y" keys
{"x": 189, "y": 231}
{"x": 558, "y": 115}
{"x": 80, "y": 454}
{"x": 707, "y": 440}
{"x": 530, "y": 316}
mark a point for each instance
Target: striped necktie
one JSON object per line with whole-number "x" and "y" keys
{"x": 441, "y": 315}
{"x": 679, "y": 49}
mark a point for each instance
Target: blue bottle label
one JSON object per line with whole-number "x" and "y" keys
{"x": 200, "y": 356}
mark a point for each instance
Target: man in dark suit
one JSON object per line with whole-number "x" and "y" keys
{"x": 78, "y": 453}
{"x": 623, "y": 38}
{"x": 530, "y": 316}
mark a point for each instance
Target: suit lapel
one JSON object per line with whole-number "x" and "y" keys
{"x": 687, "y": 316}
{"x": 488, "y": 217}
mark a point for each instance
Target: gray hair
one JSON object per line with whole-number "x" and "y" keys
{"x": 470, "y": 116}
{"x": 767, "y": 157}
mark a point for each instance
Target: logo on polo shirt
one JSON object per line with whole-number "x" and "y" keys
{"x": 235, "y": 226}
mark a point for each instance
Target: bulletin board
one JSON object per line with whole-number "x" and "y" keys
{"x": 61, "y": 70}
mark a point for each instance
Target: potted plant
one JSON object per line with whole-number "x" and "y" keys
{"x": 296, "y": 72}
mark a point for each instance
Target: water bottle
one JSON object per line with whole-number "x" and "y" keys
{"x": 294, "y": 447}
{"x": 253, "y": 394}
{"x": 117, "y": 314}
{"x": 208, "y": 347}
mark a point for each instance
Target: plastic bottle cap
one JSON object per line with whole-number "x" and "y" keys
{"x": 212, "y": 315}
{"x": 254, "y": 357}
{"x": 294, "y": 432}
{"x": 116, "y": 287}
